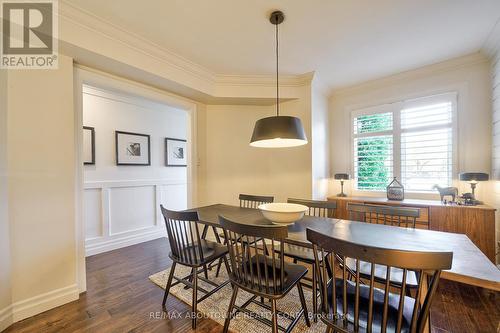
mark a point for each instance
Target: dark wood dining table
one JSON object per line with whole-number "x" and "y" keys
{"x": 469, "y": 265}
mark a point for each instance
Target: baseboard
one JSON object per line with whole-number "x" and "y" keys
{"x": 38, "y": 304}
{"x": 97, "y": 247}
{"x": 5, "y": 317}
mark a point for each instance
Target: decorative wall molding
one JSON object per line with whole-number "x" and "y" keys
{"x": 109, "y": 239}
{"x": 38, "y": 304}
{"x": 132, "y": 183}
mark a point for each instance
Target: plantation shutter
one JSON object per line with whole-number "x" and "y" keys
{"x": 412, "y": 140}
{"x": 427, "y": 142}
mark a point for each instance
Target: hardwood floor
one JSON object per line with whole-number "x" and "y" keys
{"x": 120, "y": 298}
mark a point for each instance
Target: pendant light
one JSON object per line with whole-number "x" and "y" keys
{"x": 278, "y": 131}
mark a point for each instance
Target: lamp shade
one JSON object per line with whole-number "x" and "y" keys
{"x": 341, "y": 176}
{"x": 277, "y": 132}
{"x": 473, "y": 176}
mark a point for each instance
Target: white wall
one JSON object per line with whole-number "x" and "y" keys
{"x": 229, "y": 166}
{"x": 469, "y": 76}
{"x": 320, "y": 142}
{"x": 496, "y": 136}
{"x": 41, "y": 192}
{"x": 121, "y": 203}
{"x": 5, "y": 262}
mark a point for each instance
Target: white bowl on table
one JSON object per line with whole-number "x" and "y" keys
{"x": 281, "y": 212}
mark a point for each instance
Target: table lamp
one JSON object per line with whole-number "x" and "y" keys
{"x": 341, "y": 177}
{"x": 473, "y": 178}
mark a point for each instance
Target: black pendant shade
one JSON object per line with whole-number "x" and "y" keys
{"x": 278, "y": 131}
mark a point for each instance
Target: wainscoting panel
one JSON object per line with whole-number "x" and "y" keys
{"x": 123, "y": 213}
{"x": 93, "y": 213}
{"x": 131, "y": 208}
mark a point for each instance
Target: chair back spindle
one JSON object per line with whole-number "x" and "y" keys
{"x": 317, "y": 208}
{"x": 251, "y": 268}
{"x": 349, "y": 304}
{"x": 395, "y": 216}
{"x": 184, "y": 236}
{"x": 254, "y": 201}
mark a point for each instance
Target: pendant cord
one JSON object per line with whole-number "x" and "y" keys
{"x": 277, "y": 75}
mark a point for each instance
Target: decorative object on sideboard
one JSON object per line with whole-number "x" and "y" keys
{"x": 472, "y": 178}
{"x": 88, "y": 145}
{"x": 175, "y": 152}
{"x": 395, "y": 190}
{"x": 278, "y": 131}
{"x": 342, "y": 177}
{"x": 132, "y": 148}
{"x": 447, "y": 191}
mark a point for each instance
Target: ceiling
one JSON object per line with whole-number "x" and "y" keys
{"x": 345, "y": 42}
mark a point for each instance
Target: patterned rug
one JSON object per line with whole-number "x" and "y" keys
{"x": 215, "y": 307}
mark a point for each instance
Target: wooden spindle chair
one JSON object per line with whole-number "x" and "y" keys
{"x": 187, "y": 248}
{"x": 248, "y": 201}
{"x": 380, "y": 214}
{"x": 263, "y": 274}
{"x": 254, "y": 201}
{"x": 317, "y": 208}
{"x": 352, "y": 306}
{"x": 395, "y": 216}
{"x": 301, "y": 254}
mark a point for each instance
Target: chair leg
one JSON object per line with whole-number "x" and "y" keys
{"x": 218, "y": 268}
{"x": 226, "y": 264}
{"x": 329, "y": 329}
{"x": 220, "y": 263}
{"x": 230, "y": 309}
{"x": 205, "y": 271}
{"x": 190, "y": 278}
{"x": 169, "y": 283}
{"x": 195, "y": 301}
{"x": 303, "y": 302}
{"x": 274, "y": 315}
{"x": 314, "y": 293}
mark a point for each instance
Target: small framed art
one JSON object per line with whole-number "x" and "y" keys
{"x": 88, "y": 145}
{"x": 175, "y": 152}
{"x": 132, "y": 148}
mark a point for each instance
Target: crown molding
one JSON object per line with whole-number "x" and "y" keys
{"x": 213, "y": 84}
{"x": 491, "y": 45}
{"x": 264, "y": 80}
{"x": 424, "y": 71}
{"x": 89, "y": 21}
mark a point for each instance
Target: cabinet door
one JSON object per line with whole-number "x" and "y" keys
{"x": 478, "y": 224}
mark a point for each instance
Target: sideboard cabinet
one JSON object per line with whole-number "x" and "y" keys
{"x": 477, "y": 222}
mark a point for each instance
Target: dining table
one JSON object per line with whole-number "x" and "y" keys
{"x": 469, "y": 264}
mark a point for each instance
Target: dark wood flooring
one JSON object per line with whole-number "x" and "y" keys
{"x": 120, "y": 298}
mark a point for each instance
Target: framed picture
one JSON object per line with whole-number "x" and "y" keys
{"x": 132, "y": 148}
{"x": 175, "y": 152}
{"x": 88, "y": 145}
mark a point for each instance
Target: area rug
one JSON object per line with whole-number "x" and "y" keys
{"x": 215, "y": 307}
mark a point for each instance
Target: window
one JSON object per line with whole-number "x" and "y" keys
{"x": 411, "y": 140}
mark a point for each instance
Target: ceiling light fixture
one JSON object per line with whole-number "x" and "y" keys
{"x": 278, "y": 131}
